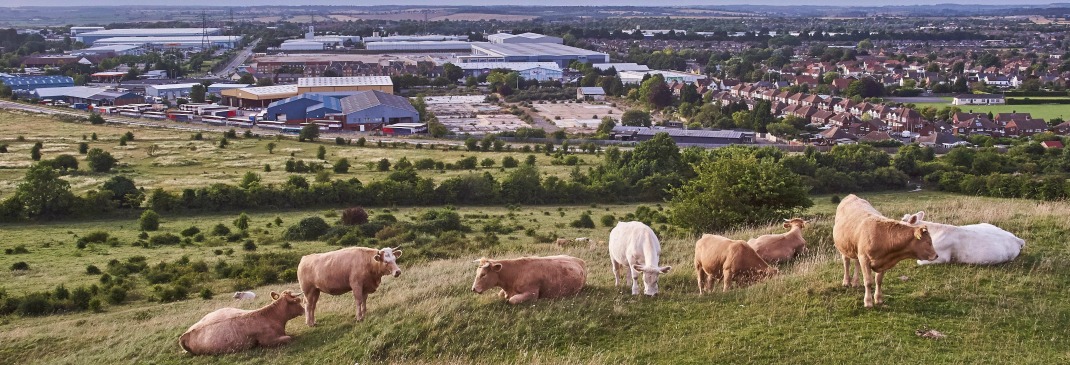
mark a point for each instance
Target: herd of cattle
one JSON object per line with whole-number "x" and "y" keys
{"x": 861, "y": 234}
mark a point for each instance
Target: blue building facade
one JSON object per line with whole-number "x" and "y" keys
{"x": 361, "y": 110}
{"x": 31, "y": 83}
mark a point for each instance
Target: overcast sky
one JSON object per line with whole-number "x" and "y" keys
{"x": 506, "y": 2}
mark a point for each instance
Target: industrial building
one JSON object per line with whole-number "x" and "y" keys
{"x": 541, "y": 71}
{"x": 360, "y": 111}
{"x": 627, "y": 66}
{"x": 89, "y": 95}
{"x": 312, "y": 42}
{"x": 171, "y": 42}
{"x": 91, "y": 37}
{"x": 170, "y": 91}
{"x": 313, "y": 65}
{"x": 532, "y": 52}
{"x": 684, "y": 136}
{"x": 635, "y": 77}
{"x": 79, "y": 30}
{"x": 507, "y": 38}
{"x": 25, "y": 84}
{"x": 217, "y": 89}
{"x": 420, "y": 46}
{"x": 257, "y": 97}
{"x": 344, "y": 84}
{"x": 415, "y": 38}
{"x": 111, "y": 50}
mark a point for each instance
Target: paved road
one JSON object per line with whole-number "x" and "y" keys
{"x": 238, "y": 59}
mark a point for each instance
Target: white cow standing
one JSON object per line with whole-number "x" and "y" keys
{"x": 981, "y": 244}
{"x": 633, "y": 245}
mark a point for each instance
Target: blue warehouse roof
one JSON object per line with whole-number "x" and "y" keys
{"x": 33, "y": 82}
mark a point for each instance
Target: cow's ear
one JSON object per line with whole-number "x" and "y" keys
{"x": 918, "y": 232}
{"x": 787, "y": 225}
{"x": 274, "y": 296}
{"x": 497, "y": 267}
{"x": 397, "y": 253}
{"x": 665, "y": 269}
{"x": 378, "y": 257}
{"x": 638, "y": 268}
{"x": 921, "y": 215}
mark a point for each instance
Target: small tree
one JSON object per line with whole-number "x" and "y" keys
{"x": 487, "y": 162}
{"x": 271, "y": 147}
{"x": 309, "y": 133}
{"x": 510, "y": 162}
{"x": 361, "y": 142}
{"x": 96, "y": 119}
{"x": 584, "y": 221}
{"x": 100, "y": 160}
{"x": 321, "y": 153}
{"x": 242, "y": 222}
{"x": 129, "y": 135}
{"x": 354, "y": 216}
{"x": 65, "y": 163}
{"x": 383, "y": 165}
{"x": 223, "y": 142}
{"x": 149, "y": 221}
{"x": 339, "y": 141}
{"x": 341, "y": 166}
{"x": 35, "y": 152}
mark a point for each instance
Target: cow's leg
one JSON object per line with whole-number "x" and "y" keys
{"x": 701, "y": 276}
{"x": 726, "y": 276}
{"x": 503, "y": 294}
{"x": 846, "y": 270}
{"x": 878, "y": 294}
{"x": 358, "y": 297}
{"x": 312, "y": 295}
{"x": 523, "y": 297}
{"x": 616, "y": 275}
{"x": 363, "y": 304}
{"x": 635, "y": 279}
{"x": 867, "y": 280}
{"x": 858, "y": 269}
{"x": 272, "y": 340}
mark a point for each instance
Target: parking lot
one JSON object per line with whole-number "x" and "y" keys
{"x": 470, "y": 114}
{"x": 577, "y": 116}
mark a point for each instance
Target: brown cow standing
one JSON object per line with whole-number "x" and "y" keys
{"x": 529, "y": 278}
{"x": 232, "y": 329}
{"x": 774, "y": 248}
{"x": 356, "y": 269}
{"x": 877, "y": 242}
{"x": 721, "y": 258}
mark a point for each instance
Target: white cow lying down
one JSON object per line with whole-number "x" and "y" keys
{"x": 971, "y": 244}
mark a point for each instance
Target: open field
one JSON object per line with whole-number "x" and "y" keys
{"x": 471, "y": 114}
{"x": 177, "y": 162}
{"x": 1014, "y": 313}
{"x": 1042, "y": 111}
{"x": 578, "y": 117}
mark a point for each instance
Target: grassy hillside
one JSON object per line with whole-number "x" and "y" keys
{"x": 169, "y": 159}
{"x": 1014, "y": 313}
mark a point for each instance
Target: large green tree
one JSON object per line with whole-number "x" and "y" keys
{"x": 43, "y": 193}
{"x": 731, "y": 191}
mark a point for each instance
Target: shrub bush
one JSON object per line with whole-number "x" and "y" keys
{"x": 96, "y": 237}
{"x": 584, "y": 221}
{"x": 92, "y": 270}
{"x": 354, "y": 216}
{"x": 609, "y": 220}
{"x": 165, "y": 239}
{"x": 191, "y": 231}
{"x": 220, "y": 230}
{"x": 307, "y": 229}
{"x": 150, "y": 221}
{"x": 20, "y": 266}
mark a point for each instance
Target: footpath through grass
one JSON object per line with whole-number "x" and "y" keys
{"x": 1014, "y": 313}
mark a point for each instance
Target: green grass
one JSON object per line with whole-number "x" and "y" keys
{"x": 1042, "y": 111}
{"x": 1014, "y": 313}
{"x": 179, "y": 162}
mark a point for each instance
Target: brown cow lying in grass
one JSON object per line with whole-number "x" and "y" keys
{"x": 232, "y": 329}
{"x": 718, "y": 257}
{"x": 530, "y": 278}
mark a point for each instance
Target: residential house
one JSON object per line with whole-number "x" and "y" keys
{"x": 1025, "y": 128}
{"x": 978, "y": 99}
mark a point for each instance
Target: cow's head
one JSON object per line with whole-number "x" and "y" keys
{"x": 486, "y": 275}
{"x": 915, "y": 218}
{"x": 922, "y": 244}
{"x": 650, "y": 277}
{"x": 794, "y": 222}
{"x": 389, "y": 256}
{"x": 292, "y": 304}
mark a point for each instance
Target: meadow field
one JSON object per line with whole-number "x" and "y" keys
{"x": 1041, "y": 111}
{"x": 1014, "y": 313}
{"x": 172, "y": 160}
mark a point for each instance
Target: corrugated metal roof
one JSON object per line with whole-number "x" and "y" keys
{"x": 140, "y": 32}
{"x": 344, "y": 81}
{"x": 81, "y": 92}
{"x": 531, "y": 49}
{"x": 368, "y": 99}
{"x": 36, "y": 80}
{"x": 592, "y": 90}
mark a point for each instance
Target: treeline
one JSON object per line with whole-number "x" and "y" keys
{"x": 646, "y": 173}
